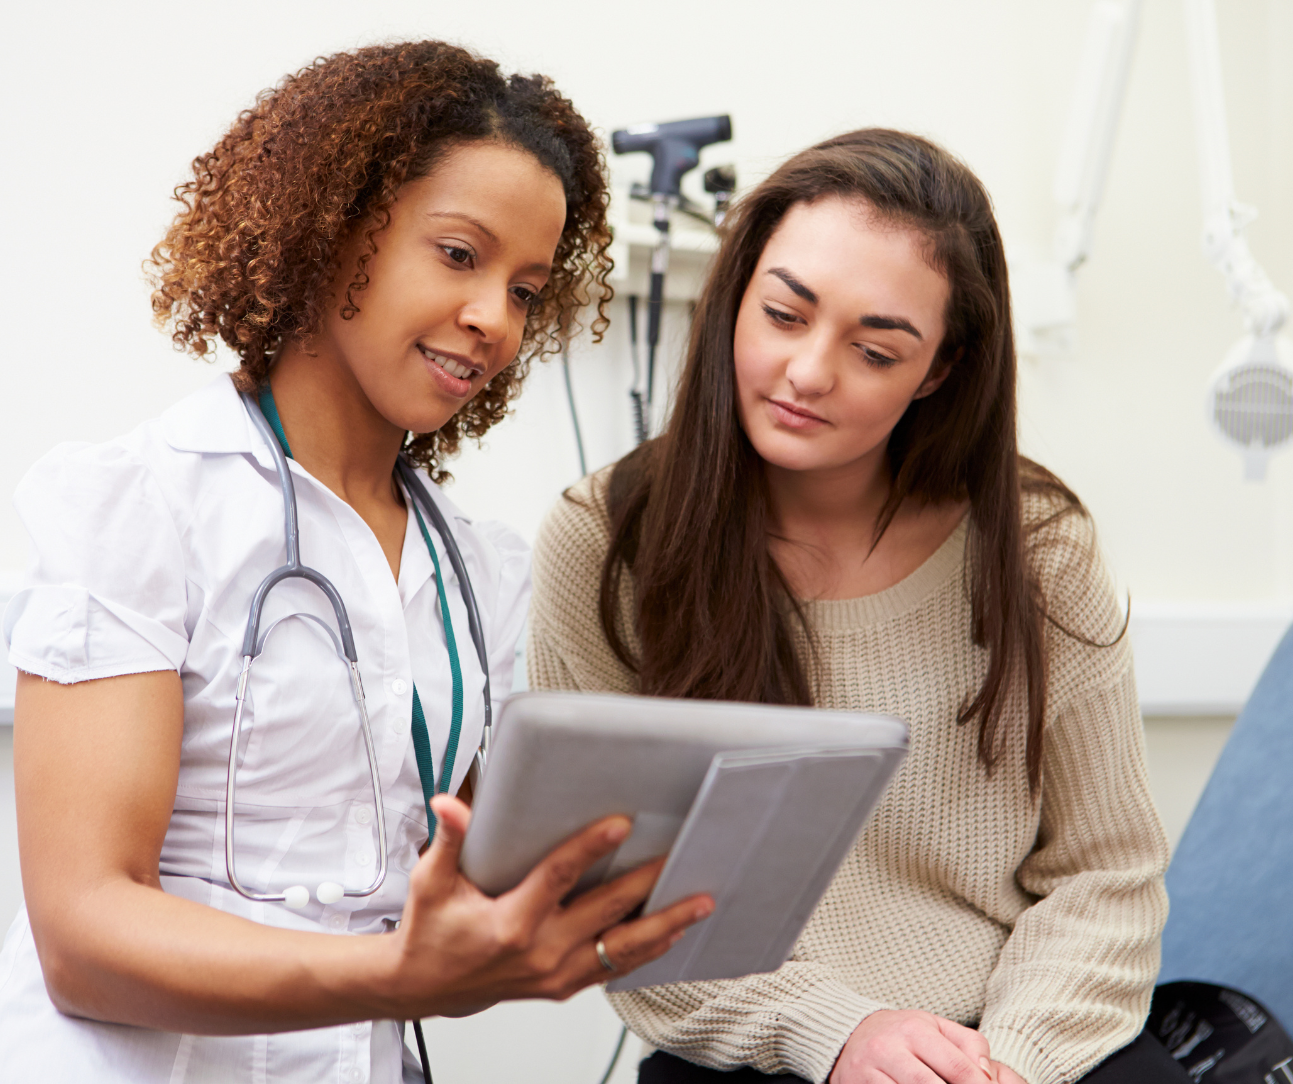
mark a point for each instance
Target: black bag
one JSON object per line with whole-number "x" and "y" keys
{"x": 1220, "y": 1036}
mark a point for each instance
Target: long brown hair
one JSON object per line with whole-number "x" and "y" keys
{"x": 263, "y": 221}
{"x": 689, "y": 511}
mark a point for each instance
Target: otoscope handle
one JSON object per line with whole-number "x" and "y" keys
{"x": 654, "y": 304}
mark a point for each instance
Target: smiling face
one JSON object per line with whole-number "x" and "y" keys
{"x": 835, "y": 337}
{"x": 468, "y": 248}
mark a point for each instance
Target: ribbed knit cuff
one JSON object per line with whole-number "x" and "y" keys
{"x": 817, "y": 1024}
{"x": 1024, "y": 1057}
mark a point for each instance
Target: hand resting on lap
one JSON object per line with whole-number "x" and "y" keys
{"x": 904, "y": 1047}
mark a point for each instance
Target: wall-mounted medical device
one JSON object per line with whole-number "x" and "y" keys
{"x": 1250, "y": 398}
{"x": 675, "y": 151}
{"x": 674, "y": 147}
{"x": 1045, "y": 290}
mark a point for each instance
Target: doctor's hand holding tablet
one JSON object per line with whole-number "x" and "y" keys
{"x": 524, "y": 943}
{"x": 377, "y": 240}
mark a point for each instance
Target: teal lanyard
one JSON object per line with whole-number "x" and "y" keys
{"x": 421, "y": 739}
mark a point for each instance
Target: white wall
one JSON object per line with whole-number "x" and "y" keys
{"x": 105, "y": 106}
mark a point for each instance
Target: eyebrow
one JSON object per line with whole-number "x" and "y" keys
{"x": 466, "y": 218}
{"x": 879, "y": 323}
{"x": 891, "y": 323}
{"x": 546, "y": 268}
{"x": 796, "y": 287}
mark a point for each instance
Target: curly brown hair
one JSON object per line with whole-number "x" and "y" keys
{"x": 251, "y": 256}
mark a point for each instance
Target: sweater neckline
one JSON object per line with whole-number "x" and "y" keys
{"x": 903, "y": 596}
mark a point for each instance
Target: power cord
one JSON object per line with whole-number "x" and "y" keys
{"x": 422, "y": 1051}
{"x": 615, "y": 1058}
{"x": 574, "y": 414}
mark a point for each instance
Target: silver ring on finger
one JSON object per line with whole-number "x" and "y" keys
{"x": 603, "y": 959}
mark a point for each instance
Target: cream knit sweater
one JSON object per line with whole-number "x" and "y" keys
{"x": 1037, "y": 921}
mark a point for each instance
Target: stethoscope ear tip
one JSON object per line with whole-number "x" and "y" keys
{"x": 298, "y": 896}
{"x": 329, "y": 892}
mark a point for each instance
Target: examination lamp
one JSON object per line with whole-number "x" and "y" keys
{"x": 1045, "y": 289}
{"x": 1250, "y": 398}
{"x": 675, "y": 150}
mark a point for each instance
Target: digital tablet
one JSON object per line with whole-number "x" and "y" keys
{"x": 560, "y": 761}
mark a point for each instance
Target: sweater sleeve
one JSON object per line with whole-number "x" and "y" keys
{"x": 1074, "y": 979}
{"x": 795, "y": 1019}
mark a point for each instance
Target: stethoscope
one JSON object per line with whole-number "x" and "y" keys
{"x": 329, "y": 892}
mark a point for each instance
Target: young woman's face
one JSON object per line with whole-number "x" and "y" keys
{"x": 468, "y": 248}
{"x": 836, "y": 335}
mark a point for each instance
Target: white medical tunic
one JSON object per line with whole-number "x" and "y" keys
{"x": 146, "y": 553}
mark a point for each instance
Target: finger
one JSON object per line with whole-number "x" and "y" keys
{"x": 842, "y": 1074}
{"x": 950, "y": 1062}
{"x": 551, "y": 880}
{"x": 848, "y": 1074}
{"x": 602, "y": 907}
{"x": 441, "y": 860}
{"x": 909, "y": 1069}
{"x": 1006, "y": 1075}
{"x": 639, "y": 942}
{"x": 969, "y": 1041}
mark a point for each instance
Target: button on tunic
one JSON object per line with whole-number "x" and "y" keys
{"x": 146, "y": 552}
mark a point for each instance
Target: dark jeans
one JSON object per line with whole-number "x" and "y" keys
{"x": 1143, "y": 1062}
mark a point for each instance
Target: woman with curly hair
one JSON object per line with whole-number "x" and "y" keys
{"x": 837, "y": 514}
{"x": 384, "y": 240}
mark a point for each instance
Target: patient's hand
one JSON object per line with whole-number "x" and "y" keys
{"x": 1006, "y": 1075}
{"x": 914, "y": 1048}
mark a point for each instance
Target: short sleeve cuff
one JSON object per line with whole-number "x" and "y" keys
{"x": 67, "y": 634}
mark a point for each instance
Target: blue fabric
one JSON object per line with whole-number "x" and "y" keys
{"x": 270, "y": 409}
{"x": 1231, "y": 879}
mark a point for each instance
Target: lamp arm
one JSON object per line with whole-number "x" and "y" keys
{"x": 1092, "y": 125}
{"x": 1265, "y": 307}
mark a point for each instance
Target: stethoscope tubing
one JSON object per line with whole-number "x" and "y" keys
{"x": 251, "y": 649}
{"x": 253, "y": 644}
